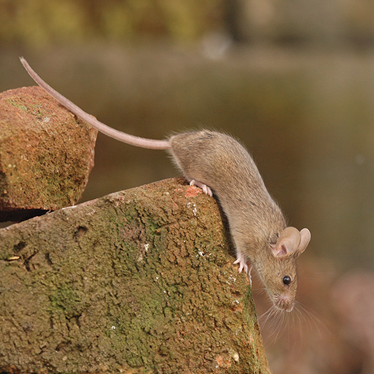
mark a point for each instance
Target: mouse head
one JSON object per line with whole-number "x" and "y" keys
{"x": 281, "y": 282}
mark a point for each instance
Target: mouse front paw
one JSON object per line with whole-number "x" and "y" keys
{"x": 243, "y": 265}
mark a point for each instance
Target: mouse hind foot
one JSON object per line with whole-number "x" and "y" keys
{"x": 203, "y": 186}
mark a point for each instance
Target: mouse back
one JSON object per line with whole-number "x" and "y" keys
{"x": 223, "y": 164}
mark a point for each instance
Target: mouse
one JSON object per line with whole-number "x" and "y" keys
{"x": 223, "y": 168}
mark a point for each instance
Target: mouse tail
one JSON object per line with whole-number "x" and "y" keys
{"x": 113, "y": 133}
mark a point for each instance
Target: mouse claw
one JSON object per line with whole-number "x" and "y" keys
{"x": 203, "y": 186}
{"x": 243, "y": 265}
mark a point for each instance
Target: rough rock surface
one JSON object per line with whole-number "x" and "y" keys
{"x": 139, "y": 281}
{"x": 46, "y": 154}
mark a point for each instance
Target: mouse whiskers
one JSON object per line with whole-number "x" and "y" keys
{"x": 259, "y": 291}
{"x": 273, "y": 322}
{"x": 277, "y": 323}
{"x": 310, "y": 320}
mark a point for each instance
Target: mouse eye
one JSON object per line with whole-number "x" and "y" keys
{"x": 286, "y": 280}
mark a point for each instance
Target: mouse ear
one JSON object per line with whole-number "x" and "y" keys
{"x": 305, "y": 239}
{"x": 287, "y": 243}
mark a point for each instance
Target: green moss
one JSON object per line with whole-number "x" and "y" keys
{"x": 16, "y": 104}
{"x": 67, "y": 299}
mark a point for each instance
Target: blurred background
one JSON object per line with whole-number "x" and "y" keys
{"x": 292, "y": 79}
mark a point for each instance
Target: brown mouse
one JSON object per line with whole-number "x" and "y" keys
{"x": 222, "y": 166}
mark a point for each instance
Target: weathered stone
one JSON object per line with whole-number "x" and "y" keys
{"x": 139, "y": 281}
{"x": 46, "y": 154}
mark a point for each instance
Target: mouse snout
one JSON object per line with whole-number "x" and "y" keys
{"x": 284, "y": 302}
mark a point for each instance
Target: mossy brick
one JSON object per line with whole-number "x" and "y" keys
{"x": 46, "y": 154}
{"x": 93, "y": 289}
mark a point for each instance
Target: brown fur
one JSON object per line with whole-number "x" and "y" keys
{"x": 255, "y": 220}
{"x": 221, "y": 163}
